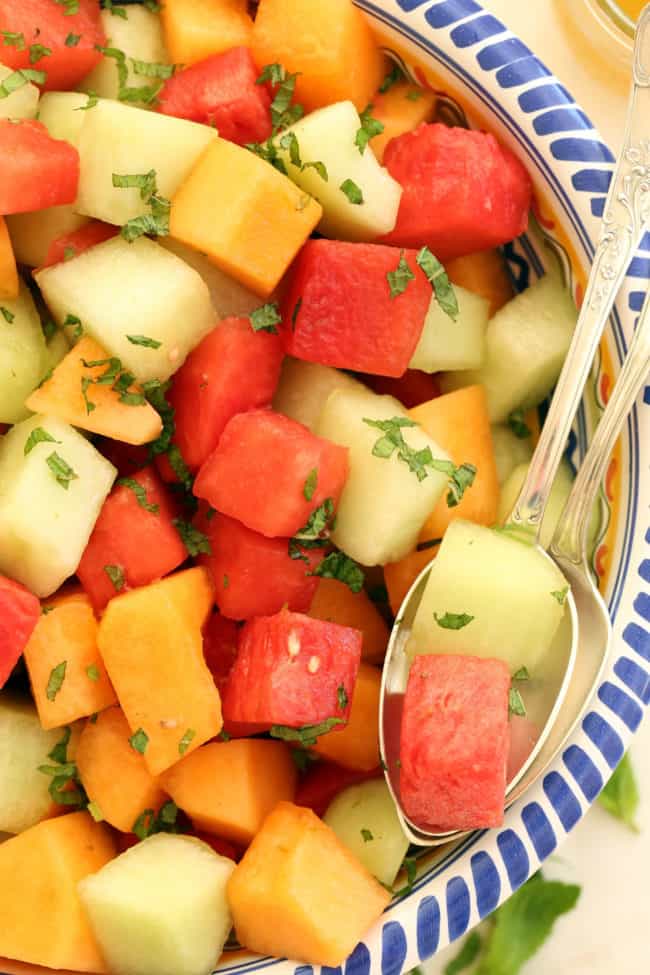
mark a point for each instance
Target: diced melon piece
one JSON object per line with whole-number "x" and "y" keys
{"x": 356, "y": 746}
{"x": 509, "y": 450}
{"x": 194, "y": 29}
{"x": 139, "y": 35}
{"x": 486, "y": 274}
{"x": 62, "y": 114}
{"x": 43, "y": 921}
{"x": 304, "y": 387}
{"x": 57, "y": 349}
{"x": 45, "y": 522}
{"x": 527, "y": 342}
{"x": 448, "y": 344}
{"x": 554, "y": 507}
{"x": 383, "y": 505}
{"x": 229, "y": 297}
{"x": 21, "y": 103}
{"x": 62, "y": 395}
{"x": 400, "y": 576}
{"x": 9, "y": 280}
{"x": 513, "y": 594}
{"x": 161, "y": 908}
{"x": 328, "y": 136}
{"x": 244, "y": 214}
{"x": 400, "y": 109}
{"x": 23, "y": 354}
{"x": 119, "y": 289}
{"x": 32, "y": 233}
{"x": 117, "y": 138}
{"x": 24, "y": 745}
{"x": 335, "y": 602}
{"x": 364, "y": 819}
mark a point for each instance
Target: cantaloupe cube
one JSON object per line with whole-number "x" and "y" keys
{"x": 230, "y": 787}
{"x": 330, "y": 44}
{"x": 140, "y": 37}
{"x": 304, "y": 387}
{"x": 9, "y": 284}
{"x": 484, "y": 273}
{"x": 23, "y": 354}
{"x": 164, "y": 686}
{"x": 356, "y": 746}
{"x": 50, "y": 497}
{"x": 335, "y": 602}
{"x": 245, "y": 215}
{"x": 67, "y": 675}
{"x": 229, "y": 297}
{"x": 119, "y": 289}
{"x": 114, "y": 774}
{"x": 509, "y": 450}
{"x": 62, "y": 395}
{"x": 299, "y": 892}
{"x": 160, "y": 908}
{"x": 21, "y": 103}
{"x": 43, "y": 921}
{"x": 117, "y": 138}
{"x": 194, "y": 29}
{"x": 400, "y": 109}
{"x": 400, "y": 576}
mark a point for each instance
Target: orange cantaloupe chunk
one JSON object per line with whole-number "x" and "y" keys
{"x": 460, "y": 423}
{"x": 335, "y": 602}
{"x": 42, "y": 920}
{"x": 62, "y": 396}
{"x": 330, "y": 44}
{"x": 9, "y": 284}
{"x": 247, "y": 217}
{"x": 154, "y": 657}
{"x": 485, "y": 273}
{"x": 299, "y": 892}
{"x": 191, "y": 591}
{"x": 114, "y": 774}
{"x": 230, "y": 787}
{"x": 195, "y": 29}
{"x": 400, "y": 109}
{"x": 400, "y": 576}
{"x": 356, "y": 746}
{"x": 66, "y": 633}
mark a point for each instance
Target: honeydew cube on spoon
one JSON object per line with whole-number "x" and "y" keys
{"x": 53, "y": 483}
{"x": 327, "y": 136}
{"x": 304, "y": 388}
{"x": 489, "y": 595}
{"x": 21, "y": 103}
{"x": 23, "y": 354}
{"x": 448, "y": 344}
{"x": 117, "y": 138}
{"x": 383, "y": 505}
{"x": 526, "y": 344}
{"x": 118, "y": 289}
{"x": 509, "y": 450}
{"x": 160, "y": 908}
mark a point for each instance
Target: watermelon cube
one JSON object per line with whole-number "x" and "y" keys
{"x": 292, "y": 670}
{"x": 339, "y": 311}
{"x": 221, "y": 91}
{"x": 220, "y": 639}
{"x": 462, "y": 191}
{"x": 232, "y": 370}
{"x": 272, "y": 473}
{"x": 19, "y": 613}
{"x": 454, "y": 742}
{"x": 134, "y": 541}
{"x": 254, "y": 575}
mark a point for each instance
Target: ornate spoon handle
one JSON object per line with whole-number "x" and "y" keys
{"x": 627, "y": 216}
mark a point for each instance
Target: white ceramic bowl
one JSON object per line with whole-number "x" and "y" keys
{"x": 464, "y": 52}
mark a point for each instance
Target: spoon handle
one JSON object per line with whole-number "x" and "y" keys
{"x": 626, "y": 217}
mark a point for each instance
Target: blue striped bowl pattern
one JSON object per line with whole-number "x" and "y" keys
{"x": 503, "y": 86}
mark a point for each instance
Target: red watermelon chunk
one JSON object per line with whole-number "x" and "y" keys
{"x": 262, "y": 473}
{"x": 455, "y": 741}
{"x": 221, "y": 91}
{"x": 254, "y": 575}
{"x": 462, "y": 191}
{"x": 220, "y": 639}
{"x": 70, "y": 245}
{"x": 232, "y": 370}
{"x": 19, "y": 613}
{"x": 37, "y": 170}
{"x": 338, "y": 310}
{"x": 292, "y": 670}
{"x": 143, "y": 545}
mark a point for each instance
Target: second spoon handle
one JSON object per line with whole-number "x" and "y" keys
{"x": 626, "y": 217}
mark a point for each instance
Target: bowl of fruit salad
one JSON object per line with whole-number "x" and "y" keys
{"x": 284, "y": 288}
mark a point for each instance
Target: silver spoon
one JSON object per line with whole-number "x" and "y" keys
{"x": 583, "y": 639}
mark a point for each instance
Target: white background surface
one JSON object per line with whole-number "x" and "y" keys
{"x": 609, "y": 931}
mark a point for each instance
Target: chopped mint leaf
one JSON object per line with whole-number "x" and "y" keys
{"x": 86, "y": 382}
{"x": 148, "y": 823}
{"x": 620, "y": 797}
{"x": 290, "y": 142}
{"x": 143, "y": 826}
{"x": 414, "y": 95}
{"x": 467, "y": 955}
{"x": 95, "y": 812}
{"x": 393, "y": 440}
{"x": 61, "y": 470}
{"x": 93, "y": 98}
{"x": 153, "y": 69}
{"x": 155, "y": 223}
{"x": 439, "y": 281}
{"x": 59, "y": 753}
{"x": 307, "y": 735}
{"x": 38, "y": 51}
{"x": 116, "y": 574}
{"x": 521, "y": 674}
{"x": 72, "y": 40}
{"x": 145, "y": 94}
{"x": 338, "y": 565}
{"x": 319, "y": 522}
{"x": 7, "y": 315}
{"x": 516, "y": 703}
{"x": 283, "y": 113}
{"x": 310, "y": 484}
{"x": 273, "y": 74}
{"x": 17, "y": 79}
{"x": 116, "y": 11}
{"x": 55, "y": 682}
{"x": 38, "y": 435}
{"x": 92, "y": 671}
{"x": 70, "y": 7}
{"x": 400, "y": 277}
{"x": 265, "y": 318}
{"x": 194, "y": 540}
{"x": 410, "y": 866}
{"x": 140, "y": 493}
{"x": 367, "y": 835}
{"x": 560, "y": 595}
{"x": 518, "y": 425}
{"x": 302, "y": 758}
{"x": 77, "y": 331}
{"x": 394, "y": 75}
{"x": 186, "y": 741}
{"x": 69, "y": 253}
{"x": 352, "y": 191}
{"x": 13, "y": 39}
{"x": 46, "y": 609}
{"x": 320, "y": 168}
{"x": 370, "y": 127}
{"x": 341, "y": 697}
{"x": 139, "y": 741}
{"x": 453, "y": 621}
{"x": 145, "y": 341}
{"x": 268, "y": 151}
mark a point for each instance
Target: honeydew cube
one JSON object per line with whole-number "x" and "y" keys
{"x": 23, "y": 354}
{"x": 63, "y": 114}
{"x": 121, "y": 139}
{"x": 527, "y": 341}
{"x": 139, "y": 36}
{"x": 119, "y": 289}
{"x": 364, "y": 819}
{"x": 448, "y": 344}
{"x": 45, "y": 520}
{"x": 21, "y": 103}
{"x": 509, "y": 450}
{"x": 57, "y": 349}
{"x": 160, "y": 908}
{"x": 328, "y": 136}
{"x": 511, "y": 592}
{"x": 383, "y": 505}
{"x": 228, "y": 296}
{"x": 304, "y": 387}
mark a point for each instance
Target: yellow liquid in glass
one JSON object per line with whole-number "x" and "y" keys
{"x": 631, "y": 7}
